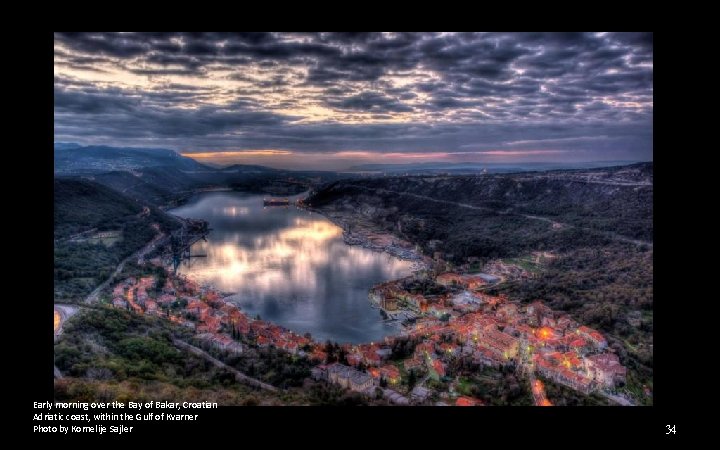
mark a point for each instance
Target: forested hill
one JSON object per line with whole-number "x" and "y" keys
{"x": 81, "y": 205}
{"x": 96, "y": 228}
{"x": 505, "y": 214}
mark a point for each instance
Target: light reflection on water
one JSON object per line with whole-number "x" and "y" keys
{"x": 290, "y": 267}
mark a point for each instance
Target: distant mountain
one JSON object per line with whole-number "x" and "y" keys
{"x": 66, "y": 145}
{"x": 472, "y": 167}
{"x": 76, "y": 159}
{"x": 247, "y": 168}
{"x": 162, "y": 177}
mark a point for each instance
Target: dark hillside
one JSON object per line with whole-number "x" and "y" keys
{"x": 96, "y": 228}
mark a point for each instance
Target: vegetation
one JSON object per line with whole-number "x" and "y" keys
{"x": 270, "y": 365}
{"x": 561, "y": 395}
{"x": 110, "y": 354}
{"x": 82, "y": 206}
{"x": 604, "y": 288}
{"x": 107, "y": 343}
{"x": 498, "y": 224}
{"x": 598, "y": 278}
{"x": 496, "y": 387}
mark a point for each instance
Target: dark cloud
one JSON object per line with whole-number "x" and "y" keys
{"x": 457, "y": 89}
{"x": 369, "y": 101}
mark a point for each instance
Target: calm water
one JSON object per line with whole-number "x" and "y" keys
{"x": 290, "y": 266}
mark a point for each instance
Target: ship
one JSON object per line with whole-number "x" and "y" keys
{"x": 276, "y": 202}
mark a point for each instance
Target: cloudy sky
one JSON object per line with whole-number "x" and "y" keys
{"x": 331, "y": 100}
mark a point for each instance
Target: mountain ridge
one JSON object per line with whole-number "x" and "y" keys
{"x": 73, "y": 159}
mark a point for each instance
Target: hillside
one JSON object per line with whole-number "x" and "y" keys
{"x": 155, "y": 185}
{"x": 596, "y": 224}
{"x": 110, "y": 354}
{"x": 162, "y": 177}
{"x": 81, "y": 205}
{"x": 504, "y": 214}
{"x": 95, "y": 228}
{"x": 427, "y": 168}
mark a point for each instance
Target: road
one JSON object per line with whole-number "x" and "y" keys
{"x": 608, "y": 234}
{"x": 586, "y": 180}
{"x": 65, "y": 311}
{"x": 62, "y": 313}
{"x": 140, "y": 254}
{"x": 421, "y": 197}
{"x": 239, "y": 376}
{"x": 538, "y": 391}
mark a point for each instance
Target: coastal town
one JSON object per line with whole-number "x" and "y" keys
{"x": 445, "y": 332}
{"x": 344, "y": 219}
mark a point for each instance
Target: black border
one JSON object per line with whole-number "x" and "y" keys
{"x": 32, "y": 293}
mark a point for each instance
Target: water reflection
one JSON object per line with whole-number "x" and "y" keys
{"x": 289, "y": 266}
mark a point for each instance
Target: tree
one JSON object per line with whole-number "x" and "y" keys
{"x": 341, "y": 355}
{"x": 378, "y": 393}
{"x": 161, "y": 279}
{"x": 412, "y": 379}
{"x": 330, "y": 350}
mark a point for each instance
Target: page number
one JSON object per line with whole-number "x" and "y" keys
{"x": 670, "y": 429}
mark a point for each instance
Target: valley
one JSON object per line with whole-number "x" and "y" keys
{"x": 576, "y": 244}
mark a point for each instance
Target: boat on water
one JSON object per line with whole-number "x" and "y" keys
{"x": 276, "y": 202}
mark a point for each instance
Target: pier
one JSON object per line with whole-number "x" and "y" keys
{"x": 182, "y": 239}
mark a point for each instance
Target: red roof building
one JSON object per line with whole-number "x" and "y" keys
{"x": 468, "y": 401}
{"x": 606, "y": 369}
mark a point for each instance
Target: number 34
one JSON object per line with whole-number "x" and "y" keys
{"x": 670, "y": 429}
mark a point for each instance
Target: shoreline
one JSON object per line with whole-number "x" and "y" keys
{"x": 376, "y": 240}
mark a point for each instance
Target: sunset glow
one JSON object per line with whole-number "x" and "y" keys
{"x": 232, "y": 154}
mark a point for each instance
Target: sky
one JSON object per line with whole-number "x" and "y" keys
{"x": 334, "y": 100}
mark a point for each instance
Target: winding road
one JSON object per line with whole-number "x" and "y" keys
{"x": 63, "y": 312}
{"x": 140, "y": 254}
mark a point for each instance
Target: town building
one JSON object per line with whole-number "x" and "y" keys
{"x": 468, "y": 401}
{"x": 349, "y": 378}
{"x": 395, "y": 397}
{"x": 593, "y": 336}
{"x": 419, "y": 394}
{"x": 605, "y": 369}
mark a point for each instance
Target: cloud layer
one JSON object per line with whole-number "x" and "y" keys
{"x": 576, "y": 96}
